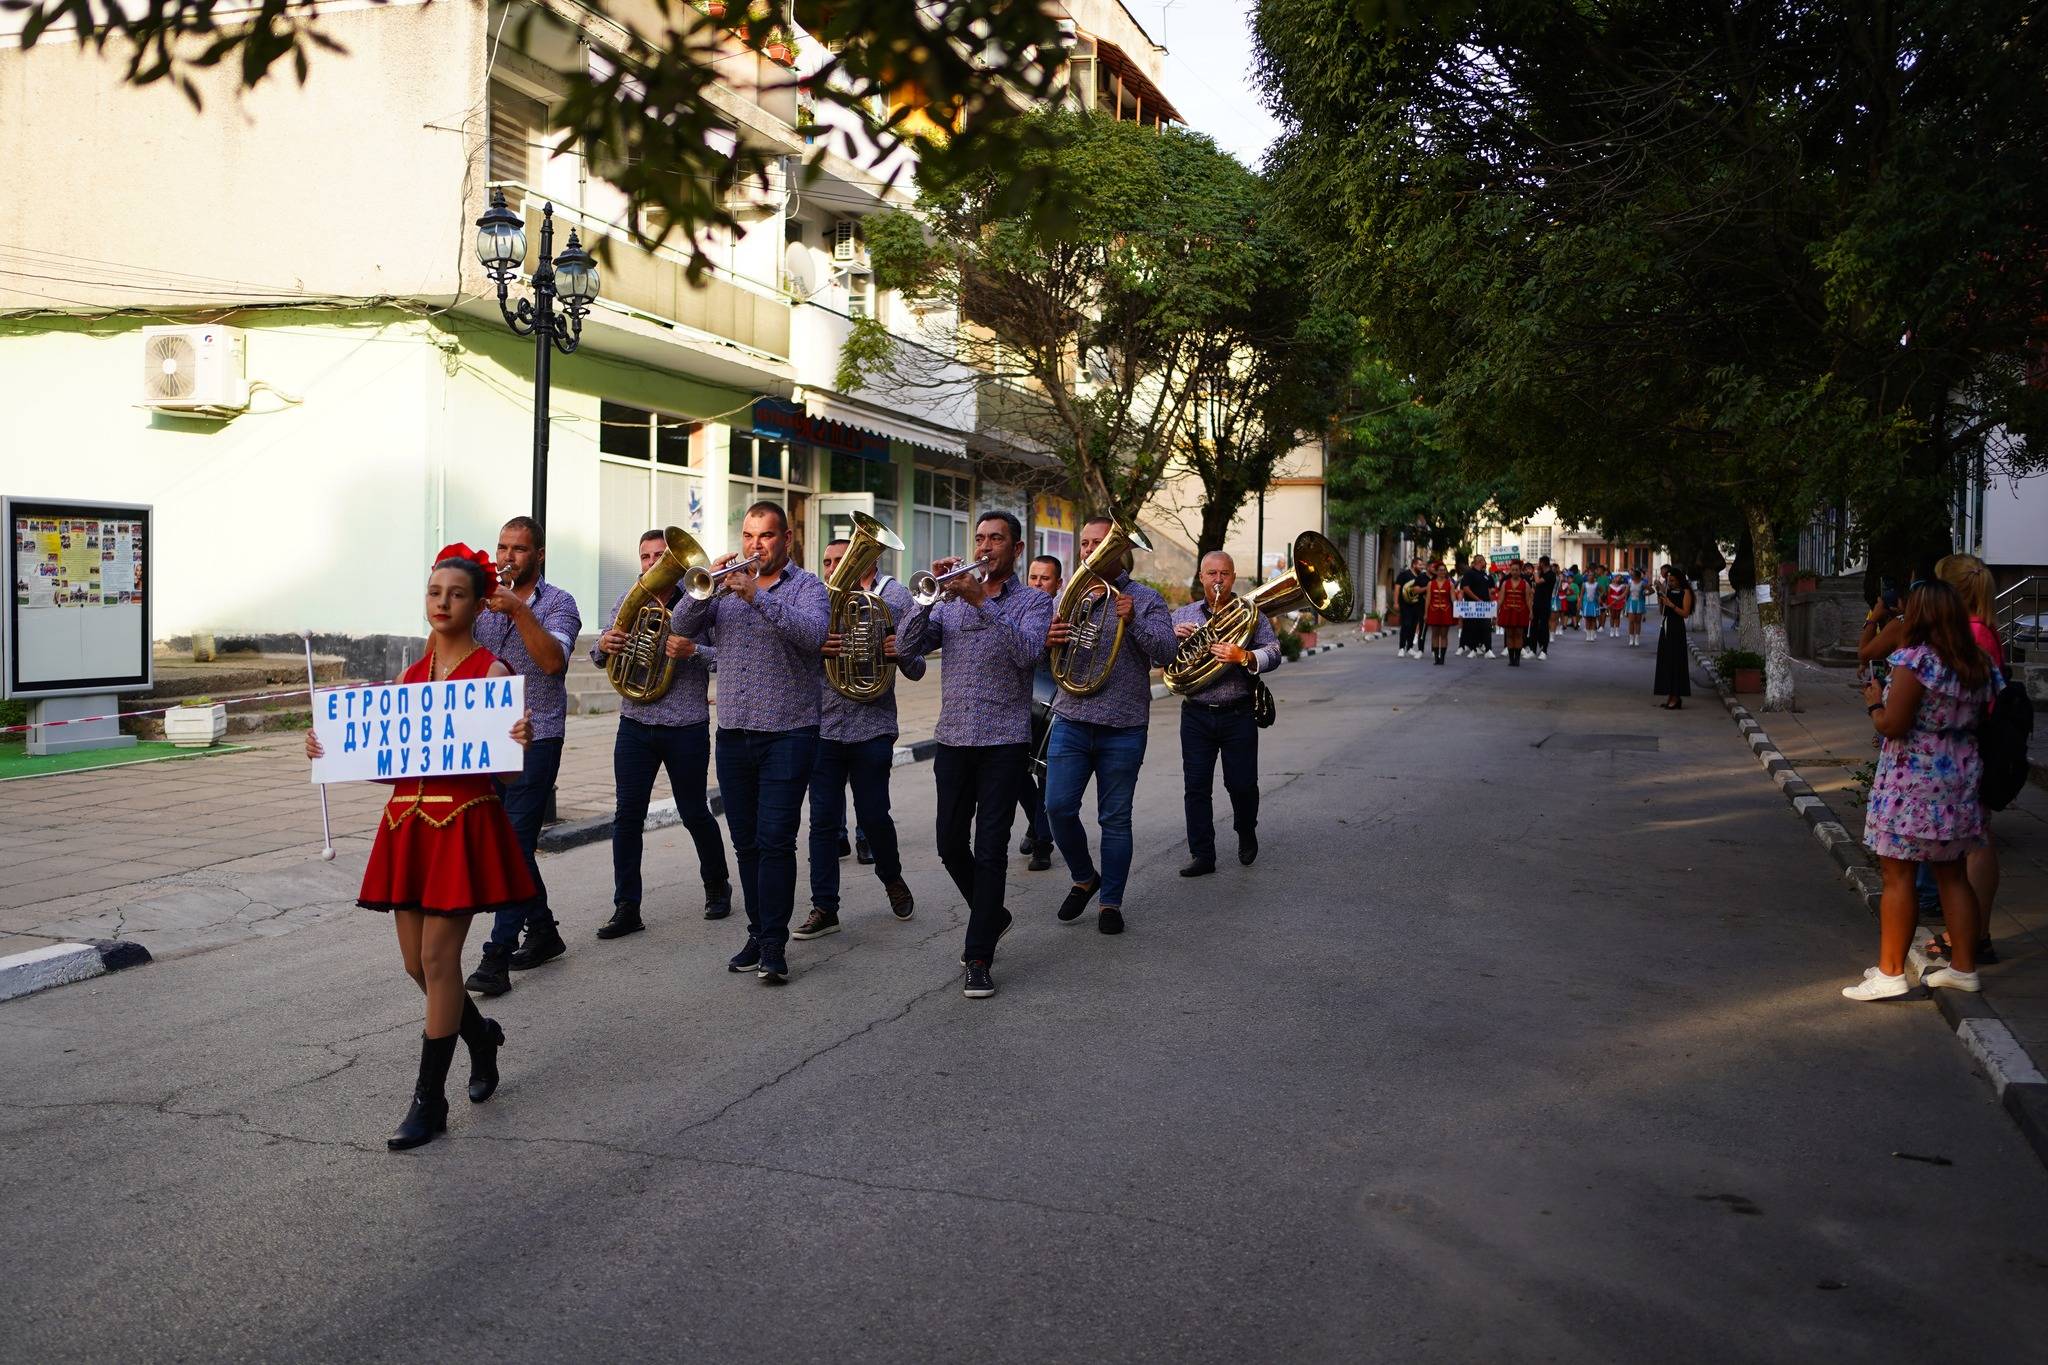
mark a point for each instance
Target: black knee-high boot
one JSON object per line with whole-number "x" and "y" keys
{"x": 427, "y": 1118}
{"x": 484, "y": 1037}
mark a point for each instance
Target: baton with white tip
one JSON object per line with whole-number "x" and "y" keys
{"x": 326, "y": 835}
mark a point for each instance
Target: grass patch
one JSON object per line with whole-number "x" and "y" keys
{"x": 16, "y": 762}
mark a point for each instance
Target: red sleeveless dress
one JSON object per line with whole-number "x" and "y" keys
{"x": 445, "y": 845}
{"x": 1438, "y": 611}
{"x": 1514, "y": 603}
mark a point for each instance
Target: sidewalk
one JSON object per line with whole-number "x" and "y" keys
{"x": 108, "y": 852}
{"x": 1829, "y": 738}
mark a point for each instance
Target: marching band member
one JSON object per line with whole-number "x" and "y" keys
{"x": 992, "y": 630}
{"x": 1044, "y": 574}
{"x": 531, "y": 626}
{"x": 673, "y": 732}
{"x": 1476, "y": 585}
{"x": 1103, "y": 736}
{"x": 769, "y": 618}
{"x": 1409, "y": 586}
{"x": 1218, "y": 720}
{"x": 856, "y": 743}
{"x": 445, "y": 851}
{"x": 1543, "y": 602}
{"x": 1514, "y": 610}
{"x": 1438, "y": 611}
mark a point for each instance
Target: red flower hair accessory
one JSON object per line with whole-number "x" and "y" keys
{"x": 461, "y": 551}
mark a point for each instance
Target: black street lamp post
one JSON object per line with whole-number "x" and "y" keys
{"x": 570, "y": 279}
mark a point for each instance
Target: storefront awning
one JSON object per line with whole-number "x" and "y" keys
{"x": 828, "y": 411}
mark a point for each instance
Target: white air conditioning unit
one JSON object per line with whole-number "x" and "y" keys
{"x": 194, "y": 369}
{"x": 847, "y": 247}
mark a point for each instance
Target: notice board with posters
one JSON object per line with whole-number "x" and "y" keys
{"x": 77, "y": 619}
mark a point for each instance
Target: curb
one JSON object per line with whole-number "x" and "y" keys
{"x": 568, "y": 834}
{"x": 2015, "y": 1076}
{"x": 59, "y": 964}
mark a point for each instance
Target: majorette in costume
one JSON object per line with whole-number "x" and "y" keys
{"x": 444, "y": 844}
{"x": 1438, "y": 611}
{"x": 1513, "y": 612}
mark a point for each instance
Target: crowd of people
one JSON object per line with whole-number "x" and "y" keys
{"x": 450, "y": 848}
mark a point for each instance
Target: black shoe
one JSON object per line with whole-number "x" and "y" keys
{"x": 980, "y": 985}
{"x": 426, "y": 1118}
{"x": 774, "y": 968}
{"x": 1200, "y": 867}
{"x": 484, "y": 1037}
{"x": 542, "y": 945}
{"x": 718, "y": 901}
{"x": 1247, "y": 848}
{"x": 1041, "y": 857}
{"x": 862, "y": 854}
{"x": 845, "y": 848}
{"x": 821, "y": 923}
{"x": 1028, "y": 846}
{"x": 1110, "y": 920}
{"x": 1076, "y": 903}
{"x": 493, "y": 976}
{"x": 747, "y": 958}
{"x": 901, "y": 903}
{"x": 625, "y": 920}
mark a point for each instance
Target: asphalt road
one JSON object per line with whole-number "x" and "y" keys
{"x": 1522, "y": 1041}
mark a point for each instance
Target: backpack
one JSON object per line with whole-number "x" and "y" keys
{"x": 2002, "y": 736}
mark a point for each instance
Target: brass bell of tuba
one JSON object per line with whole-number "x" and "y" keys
{"x": 1319, "y": 581}
{"x": 862, "y": 620}
{"x": 642, "y": 671}
{"x": 1081, "y": 666}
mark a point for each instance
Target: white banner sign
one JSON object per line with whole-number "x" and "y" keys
{"x": 439, "y": 729}
{"x": 1475, "y": 611}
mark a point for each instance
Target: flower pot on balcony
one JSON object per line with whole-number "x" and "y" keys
{"x": 782, "y": 54}
{"x": 1748, "y": 680}
{"x": 195, "y": 727}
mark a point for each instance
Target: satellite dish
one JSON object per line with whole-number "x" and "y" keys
{"x": 798, "y": 273}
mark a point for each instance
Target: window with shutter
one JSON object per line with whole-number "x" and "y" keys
{"x": 518, "y": 130}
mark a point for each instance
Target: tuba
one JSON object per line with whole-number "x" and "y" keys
{"x": 1081, "y": 666}
{"x": 642, "y": 671}
{"x": 861, "y": 619}
{"x": 1318, "y": 581}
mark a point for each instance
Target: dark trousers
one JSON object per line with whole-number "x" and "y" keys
{"x": 1539, "y": 630}
{"x": 639, "y": 754}
{"x": 1032, "y": 798}
{"x": 978, "y": 789}
{"x": 1476, "y": 634}
{"x": 1411, "y": 624}
{"x": 762, "y": 778}
{"x": 1205, "y": 733}
{"x": 526, "y": 800}
{"x": 866, "y": 764}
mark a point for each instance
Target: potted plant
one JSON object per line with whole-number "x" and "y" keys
{"x": 780, "y": 47}
{"x": 1308, "y": 630}
{"x": 1369, "y": 626}
{"x": 1290, "y": 640}
{"x": 196, "y": 724}
{"x": 1743, "y": 668}
{"x": 1805, "y": 580}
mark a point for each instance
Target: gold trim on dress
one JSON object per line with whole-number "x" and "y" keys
{"x": 409, "y": 806}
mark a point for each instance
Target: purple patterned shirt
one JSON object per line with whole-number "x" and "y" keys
{"x": 686, "y": 702}
{"x": 1126, "y": 699}
{"x": 1234, "y": 682}
{"x": 768, "y": 660}
{"x": 850, "y": 722}
{"x": 991, "y": 652}
{"x": 547, "y": 694}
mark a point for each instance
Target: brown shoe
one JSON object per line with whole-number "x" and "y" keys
{"x": 901, "y": 903}
{"x": 821, "y": 923}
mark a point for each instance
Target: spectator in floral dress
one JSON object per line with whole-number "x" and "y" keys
{"x": 1923, "y": 802}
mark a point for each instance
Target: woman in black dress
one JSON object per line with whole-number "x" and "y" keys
{"x": 1674, "y": 665}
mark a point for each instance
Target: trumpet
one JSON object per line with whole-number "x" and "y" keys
{"x": 927, "y": 587}
{"x": 703, "y": 584}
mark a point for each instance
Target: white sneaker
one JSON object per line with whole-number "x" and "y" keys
{"x": 1953, "y": 979}
{"x": 1875, "y": 985}
{"x": 1489, "y": 654}
{"x": 1404, "y": 653}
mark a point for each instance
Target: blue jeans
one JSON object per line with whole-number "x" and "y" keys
{"x": 866, "y": 763}
{"x": 1111, "y": 755}
{"x": 762, "y": 777}
{"x": 526, "y": 806}
{"x": 1205, "y": 733}
{"x": 638, "y": 756}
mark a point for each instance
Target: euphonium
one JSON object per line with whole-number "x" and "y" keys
{"x": 1318, "y": 581}
{"x": 1088, "y": 604}
{"x": 642, "y": 671}
{"x": 861, "y": 619}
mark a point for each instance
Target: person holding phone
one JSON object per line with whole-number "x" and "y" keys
{"x": 1673, "y": 681}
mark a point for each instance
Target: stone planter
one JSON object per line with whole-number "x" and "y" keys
{"x": 1308, "y": 639}
{"x": 1747, "y": 680}
{"x": 195, "y": 727}
{"x": 1369, "y": 626}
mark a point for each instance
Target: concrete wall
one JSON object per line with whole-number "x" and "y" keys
{"x": 2015, "y": 528}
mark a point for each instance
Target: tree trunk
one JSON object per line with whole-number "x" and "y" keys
{"x": 1771, "y": 615}
{"x": 1710, "y": 605}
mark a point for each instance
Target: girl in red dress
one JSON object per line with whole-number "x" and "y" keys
{"x": 1514, "y": 610}
{"x": 1437, "y": 612}
{"x": 444, "y": 852}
